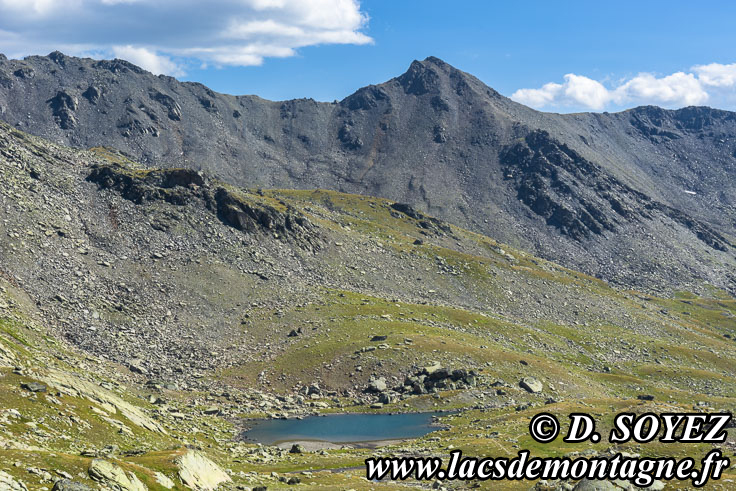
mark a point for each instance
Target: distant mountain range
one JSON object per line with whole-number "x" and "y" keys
{"x": 644, "y": 198}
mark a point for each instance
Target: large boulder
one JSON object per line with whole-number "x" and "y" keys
{"x": 377, "y": 385}
{"x": 296, "y": 448}
{"x": 530, "y": 384}
{"x": 114, "y": 477}
{"x": 198, "y": 472}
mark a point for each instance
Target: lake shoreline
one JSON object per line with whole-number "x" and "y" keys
{"x": 316, "y": 445}
{"x": 355, "y": 430}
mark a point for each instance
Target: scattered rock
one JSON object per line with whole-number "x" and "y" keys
{"x": 136, "y": 366}
{"x": 430, "y": 369}
{"x": 531, "y": 384}
{"x": 69, "y": 485}
{"x": 388, "y": 398}
{"x": 33, "y": 386}
{"x": 616, "y": 485}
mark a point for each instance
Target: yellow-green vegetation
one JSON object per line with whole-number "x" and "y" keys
{"x": 115, "y": 157}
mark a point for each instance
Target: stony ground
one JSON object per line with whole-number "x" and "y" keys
{"x": 145, "y": 315}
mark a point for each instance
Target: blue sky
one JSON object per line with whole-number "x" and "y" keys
{"x": 562, "y": 56}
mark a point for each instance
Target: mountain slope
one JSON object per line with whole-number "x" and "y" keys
{"x": 641, "y": 197}
{"x": 158, "y": 309}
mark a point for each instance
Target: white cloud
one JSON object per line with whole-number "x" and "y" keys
{"x": 542, "y": 97}
{"x": 681, "y": 89}
{"x": 164, "y": 36}
{"x": 704, "y": 84}
{"x": 31, "y": 7}
{"x": 147, "y": 60}
{"x": 717, "y": 75}
{"x": 586, "y": 91}
{"x": 576, "y": 90}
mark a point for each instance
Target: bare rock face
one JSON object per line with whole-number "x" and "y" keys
{"x": 75, "y": 386}
{"x": 24, "y": 72}
{"x": 198, "y": 472}
{"x": 579, "y": 198}
{"x": 642, "y": 198}
{"x": 114, "y": 476}
{"x": 163, "y": 480}
{"x": 172, "y": 107}
{"x": 7, "y": 483}
{"x": 63, "y": 105}
{"x": 92, "y": 94}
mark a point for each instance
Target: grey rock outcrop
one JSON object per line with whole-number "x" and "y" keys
{"x": 7, "y": 483}
{"x": 198, "y": 472}
{"x": 114, "y": 477}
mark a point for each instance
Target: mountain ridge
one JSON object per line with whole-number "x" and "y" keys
{"x": 433, "y": 137}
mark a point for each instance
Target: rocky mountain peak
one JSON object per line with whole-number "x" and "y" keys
{"x": 57, "y": 57}
{"x": 421, "y": 78}
{"x": 434, "y": 137}
{"x": 434, "y": 76}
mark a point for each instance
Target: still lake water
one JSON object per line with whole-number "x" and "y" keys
{"x": 343, "y": 428}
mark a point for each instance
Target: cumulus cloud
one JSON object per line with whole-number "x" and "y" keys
{"x": 165, "y": 36}
{"x": 717, "y": 75}
{"x": 542, "y": 97}
{"x": 703, "y": 84}
{"x": 681, "y": 89}
{"x": 575, "y": 90}
{"x": 147, "y": 59}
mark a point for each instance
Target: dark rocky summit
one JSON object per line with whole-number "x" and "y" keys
{"x": 644, "y": 197}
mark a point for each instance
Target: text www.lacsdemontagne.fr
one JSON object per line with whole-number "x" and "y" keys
{"x": 637, "y": 470}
